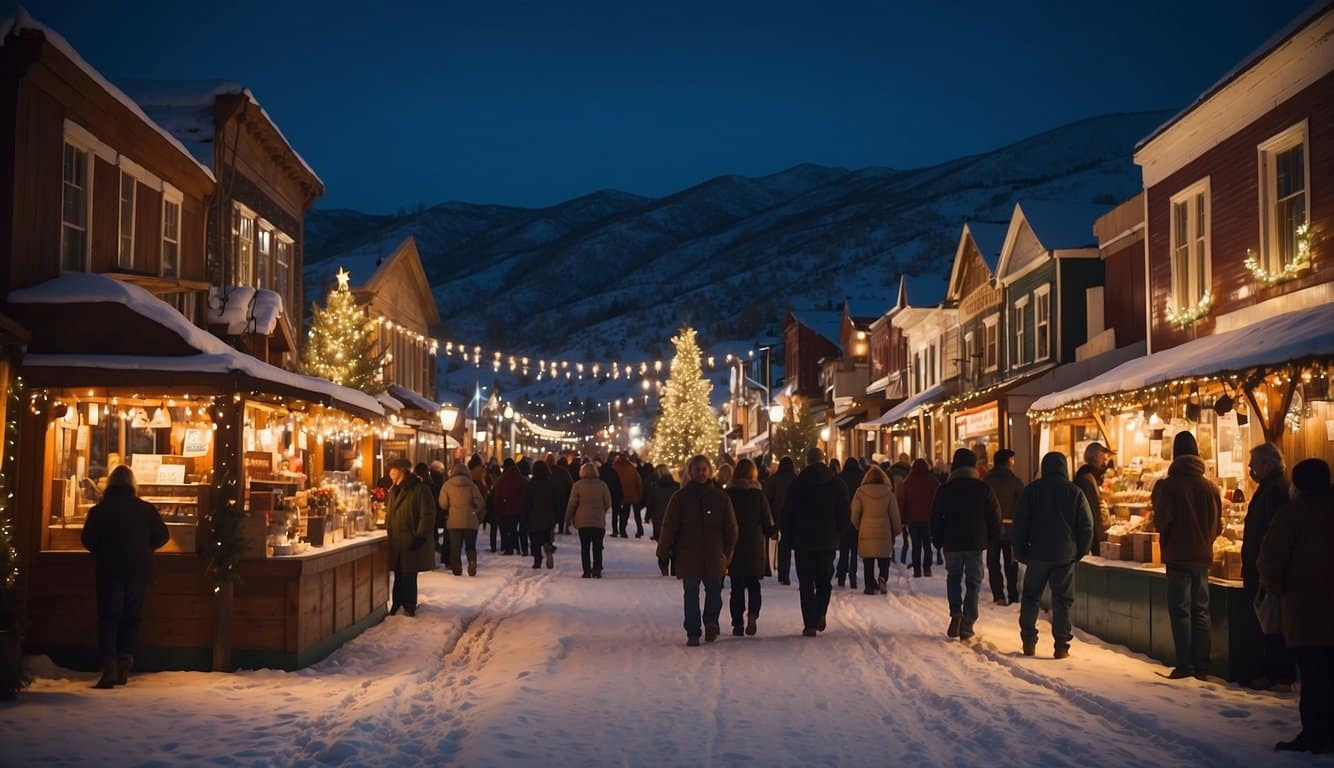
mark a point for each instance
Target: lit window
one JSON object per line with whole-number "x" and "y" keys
{"x": 1283, "y": 175}
{"x": 125, "y": 253}
{"x": 1020, "y": 320}
{"x": 265, "y": 254}
{"x": 1042, "y": 323}
{"x": 991, "y": 339}
{"x": 243, "y": 245}
{"x": 283, "y": 268}
{"x": 1190, "y": 245}
{"x": 171, "y": 238}
{"x": 74, "y": 210}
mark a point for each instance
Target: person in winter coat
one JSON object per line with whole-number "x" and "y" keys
{"x": 607, "y": 473}
{"x": 750, "y": 562}
{"x": 775, "y": 491}
{"x": 965, "y": 520}
{"x": 724, "y": 476}
{"x": 656, "y": 496}
{"x": 846, "y": 569}
{"x": 122, "y": 532}
{"x": 898, "y": 472}
{"x": 1266, "y": 469}
{"x": 590, "y": 500}
{"x": 915, "y": 500}
{"x": 541, "y": 511}
{"x": 410, "y": 523}
{"x": 462, "y": 502}
{"x": 815, "y": 515}
{"x": 560, "y": 475}
{"x": 1294, "y": 563}
{"x": 699, "y": 533}
{"x": 875, "y": 517}
{"x": 507, "y": 504}
{"x": 631, "y": 491}
{"x": 1089, "y": 479}
{"x": 1001, "y": 566}
{"x": 1053, "y": 529}
{"x": 1188, "y": 513}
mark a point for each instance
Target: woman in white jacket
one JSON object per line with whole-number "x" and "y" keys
{"x": 875, "y": 515}
{"x": 590, "y": 498}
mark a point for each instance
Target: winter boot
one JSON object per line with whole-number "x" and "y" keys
{"x": 883, "y": 585}
{"x": 710, "y": 633}
{"x": 110, "y": 670}
{"x": 1061, "y": 652}
{"x": 750, "y": 624}
{"x": 738, "y": 630}
{"x": 927, "y": 571}
{"x": 842, "y": 581}
{"x": 537, "y": 562}
{"x": 124, "y": 663}
{"x": 1030, "y": 649}
{"x": 852, "y": 581}
{"x": 871, "y": 589}
{"x": 550, "y": 552}
{"x": 956, "y": 621}
{"x": 917, "y": 572}
{"x": 472, "y": 563}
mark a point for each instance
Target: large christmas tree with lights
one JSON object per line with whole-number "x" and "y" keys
{"x": 342, "y": 343}
{"x": 688, "y": 425}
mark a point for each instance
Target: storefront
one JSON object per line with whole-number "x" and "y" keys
{"x": 1266, "y": 382}
{"x": 199, "y": 423}
{"x": 913, "y": 426}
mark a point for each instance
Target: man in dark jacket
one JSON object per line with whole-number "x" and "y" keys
{"x": 1189, "y": 516}
{"x": 1266, "y": 468}
{"x": 965, "y": 520}
{"x": 1007, "y": 487}
{"x": 507, "y": 505}
{"x": 699, "y": 534}
{"x": 1089, "y": 479}
{"x": 1053, "y": 529}
{"x": 775, "y": 491}
{"x": 608, "y": 474}
{"x": 409, "y": 523}
{"x": 846, "y": 570}
{"x": 815, "y": 515}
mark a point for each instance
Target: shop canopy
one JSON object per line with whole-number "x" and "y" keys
{"x": 1293, "y": 337}
{"x": 906, "y": 408}
{"x": 120, "y": 328}
{"x": 413, "y": 400}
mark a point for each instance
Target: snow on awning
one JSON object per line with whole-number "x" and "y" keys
{"x": 213, "y": 356}
{"x": 907, "y": 407}
{"x": 413, "y": 400}
{"x": 1304, "y": 334}
{"x": 244, "y": 309}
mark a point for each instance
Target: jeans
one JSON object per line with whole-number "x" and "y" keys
{"x": 590, "y": 548}
{"x": 536, "y": 540}
{"x": 997, "y": 552}
{"x": 119, "y": 609}
{"x": 847, "y": 555}
{"x": 1037, "y": 577}
{"x": 869, "y": 566}
{"x": 920, "y": 533}
{"x": 713, "y": 604}
{"x": 784, "y": 561}
{"x": 639, "y": 520}
{"x": 814, "y": 570}
{"x": 459, "y": 539}
{"x": 963, "y": 579}
{"x": 745, "y": 599}
{"x": 1316, "y": 704}
{"x": 1188, "y": 607}
{"x": 405, "y": 589}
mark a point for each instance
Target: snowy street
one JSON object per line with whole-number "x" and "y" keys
{"x": 524, "y": 667}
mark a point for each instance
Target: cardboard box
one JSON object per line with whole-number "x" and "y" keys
{"x": 1232, "y": 564}
{"x": 1147, "y": 548}
{"x": 1110, "y": 550}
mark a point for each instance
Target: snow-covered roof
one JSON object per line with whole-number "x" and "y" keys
{"x": 1062, "y": 225}
{"x": 389, "y": 402}
{"x": 215, "y": 356}
{"x": 244, "y": 309}
{"x": 825, "y": 324}
{"x": 1298, "y": 335}
{"x": 21, "y": 21}
{"x": 412, "y": 399}
{"x": 989, "y": 236}
{"x": 906, "y": 408}
{"x": 1303, "y": 19}
{"x": 185, "y": 107}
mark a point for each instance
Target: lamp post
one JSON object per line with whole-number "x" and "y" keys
{"x": 449, "y": 416}
{"x": 509, "y": 416}
{"x": 775, "y": 417}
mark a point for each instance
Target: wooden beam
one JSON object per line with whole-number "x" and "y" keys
{"x": 1274, "y": 431}
{"x": 1261, "y": 417}
{"x": 1106, "y": 434}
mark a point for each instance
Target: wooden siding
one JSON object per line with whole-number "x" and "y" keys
{"x": 1123, "y": 302}
{"x": 804, "y": 350}
{"x": 1233, "y": 171}
{"x": 1024, "y": 286}
{"x": 1077, "y": 276}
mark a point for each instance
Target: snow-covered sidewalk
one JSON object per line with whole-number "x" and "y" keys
{"x": 525, "y": 667}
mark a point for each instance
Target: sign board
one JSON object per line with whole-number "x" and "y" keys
{"x": 196, "y": 442}
{"x": 145, "y": 465}
{"x": 980, "y": 421}
{"x": 171, "y": 474}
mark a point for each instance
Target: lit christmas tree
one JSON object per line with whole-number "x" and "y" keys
{"x": 342, "y": 343}
{"x": 688, "y": 425}
{"x": 796, "y": 432}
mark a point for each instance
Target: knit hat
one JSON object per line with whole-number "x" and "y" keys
{"x": 964, "y": 457}
{"x": 1184, "y": 445}
{"x": 1311, "y": 476}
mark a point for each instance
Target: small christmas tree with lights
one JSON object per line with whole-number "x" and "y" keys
{"x": 796, "y": 432}
{"x": 342, "y": 343}
{"x": 688, "y": 425}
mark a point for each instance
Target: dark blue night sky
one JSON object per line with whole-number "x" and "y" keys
{"x": 533, "y": 103}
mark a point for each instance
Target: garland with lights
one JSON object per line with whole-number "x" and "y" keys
{"x": 688, "y": 425}
{"x": 1189, "y": 315}
{"x": 343, "y": 344}
{"x": 12, "y": 677}
{"x": 225, "y": 543}
{"x": 1306, "y": 241}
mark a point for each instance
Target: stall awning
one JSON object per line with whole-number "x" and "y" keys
{"x": 1302, "y": 335}
{"x": 411, "y": 399}
{"x": 907, "y": 407}
{"x": 849, "y": 419}
{"x": 755, "y": 445}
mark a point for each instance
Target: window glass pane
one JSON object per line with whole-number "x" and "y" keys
{"x": 73, "y": 208}
{"x": 125, "y": 255}
{"x": 171, "y": 225}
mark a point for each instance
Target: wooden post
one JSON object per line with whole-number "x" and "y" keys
{"x": 227, "y": 455}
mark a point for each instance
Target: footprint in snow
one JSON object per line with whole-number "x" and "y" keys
{"x": 1234, "y": 713}
{"x": 521, "y": 675}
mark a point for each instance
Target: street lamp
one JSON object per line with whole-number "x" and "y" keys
{"x": 449, "y": 416}
{"x": 508, "y": 415}
{"x": 775, "y": 417}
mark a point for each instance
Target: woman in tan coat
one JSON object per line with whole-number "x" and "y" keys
{"x": 463, "y": 505}
{"x": 590, "y": 498}
{"x": 875, "y": 515}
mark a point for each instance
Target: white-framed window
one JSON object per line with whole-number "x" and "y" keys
{"x": 282, "y": 270}
{"x": 1284, "y": 204}
{"x": 171, "y": 232}
{"x": 1042, "y": 323}
{"x": 970, "y": 356}
{"x": 264, "y": 257}
{"x": 991, "y": 343}
{"x": 243, "y": 246}
{"x": 1191, "y": 268}
{"x": 76, "y": 177}
{"x": 125, "y": 248}
{"x": 1020, "y": 321}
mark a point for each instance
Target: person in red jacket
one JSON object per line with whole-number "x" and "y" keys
{"x": 507, "y": 501}
{"x": 915, "y": 498}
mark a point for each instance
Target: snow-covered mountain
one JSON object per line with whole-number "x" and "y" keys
{"x": 610, "y": 275}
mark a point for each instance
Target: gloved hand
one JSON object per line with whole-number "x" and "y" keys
{"x": 417, "y": 542}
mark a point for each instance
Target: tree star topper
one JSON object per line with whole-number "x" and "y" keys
{"x": 343, "y": 277}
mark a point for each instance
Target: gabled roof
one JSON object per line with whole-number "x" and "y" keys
{"x": 1058, "y": 226}
{"x": 368, "y": 268}
{"x": 410, "y": 257}
{"x": 21, "y": 21}
{"x": 920, "y": 291}
{"x": 863, "y": 312}
{"x": 826, "y": 325}
{"x": 989, "y": 237}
